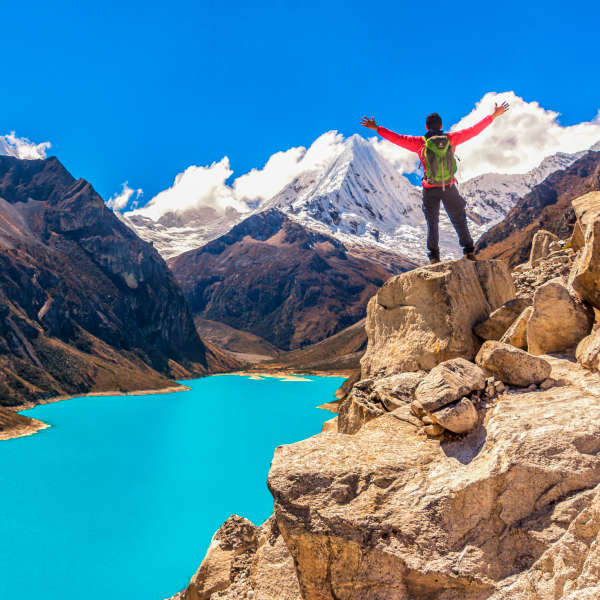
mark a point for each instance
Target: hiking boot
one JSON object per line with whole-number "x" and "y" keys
{"x": 434, "y": 261}
{"x": 470, "y": 256}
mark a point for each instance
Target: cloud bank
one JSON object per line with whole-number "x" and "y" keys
{"x": 22, "y": 148}
{"x": 205, "y": 186}
{"x": 520, "y": 139}
{"x": 120, "y": 200}
{"x": 515, "y": 143}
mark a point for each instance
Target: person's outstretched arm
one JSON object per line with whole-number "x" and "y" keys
{"x": 459, "y": 137}
{"x": 410, "y": 142}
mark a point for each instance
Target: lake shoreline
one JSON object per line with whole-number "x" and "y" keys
{"x": 24, "y": 430}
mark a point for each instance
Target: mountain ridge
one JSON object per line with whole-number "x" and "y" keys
{"x": 86, "y": 304}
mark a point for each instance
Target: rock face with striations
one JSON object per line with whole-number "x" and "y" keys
{"x": 85, "y": 305}
{"x": 426, "y": 316}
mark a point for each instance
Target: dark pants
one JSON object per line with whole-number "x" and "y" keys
{"x": 455, "y": 207}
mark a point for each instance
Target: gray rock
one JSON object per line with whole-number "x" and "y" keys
{"x": 511, "y": 365}
{"x": 497, "y": 324}
{"x": 459, "y": 418}
{"x": 448, "y": 382}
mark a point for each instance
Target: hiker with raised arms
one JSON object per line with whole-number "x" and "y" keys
{"x": 436, "y": 152}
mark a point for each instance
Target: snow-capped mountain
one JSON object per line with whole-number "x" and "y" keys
{"x": 173, "y": 234}
{"x": 362, "y": 200}
{"x": 492, "y": 195}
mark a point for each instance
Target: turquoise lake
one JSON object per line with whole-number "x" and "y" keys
{"x": 120, "y": 497}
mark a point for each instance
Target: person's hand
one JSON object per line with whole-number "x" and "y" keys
{"x": 499, "y": 110}
{"x": 369, "y": 123}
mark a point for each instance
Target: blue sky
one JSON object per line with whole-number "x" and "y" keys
{"x": 139, "y": 91}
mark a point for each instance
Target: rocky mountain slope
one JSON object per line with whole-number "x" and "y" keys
{"x": 276, "y": 279}
{"x": 547, "y": 207}
{"x": 86, "y": 305}
{"x": 463, "y": 465}
{"x": 491, "y": 196}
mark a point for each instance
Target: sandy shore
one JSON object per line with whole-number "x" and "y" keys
{"x": 33, "y": 425}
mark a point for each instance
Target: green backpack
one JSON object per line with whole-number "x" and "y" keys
{"x": 440, "y": 162}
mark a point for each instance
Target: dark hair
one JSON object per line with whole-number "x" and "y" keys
{"x": 433, "y": 121}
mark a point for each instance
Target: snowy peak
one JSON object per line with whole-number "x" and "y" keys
{"x": 358, "y": 193}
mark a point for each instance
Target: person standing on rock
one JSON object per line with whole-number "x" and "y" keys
{"x": 436, "y": 151}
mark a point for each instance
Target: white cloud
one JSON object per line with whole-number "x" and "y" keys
{"x": 120, "y": 200}
{"x": 11, "y": 145}
{"x": 519, "y": 140}
{"x": 205, "y": 186}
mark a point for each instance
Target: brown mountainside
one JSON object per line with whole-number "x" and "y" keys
{"x": 272, "y": 277}
{"x": 547, "y": 207}
{"x": 86, "y": 305}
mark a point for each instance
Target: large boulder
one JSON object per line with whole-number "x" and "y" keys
{"x": 588, "y": 351}
{"x": 426, "y": 316}
{"x": 388, "y": 514}
{"x": 585, "y": 274}
{"x": 401, "y": 386}
{"x": 559, "y": 320}
{"x": 459, "y": 418}
{"x": 448, "y": 382}
{"x": 516, "y": 335}
{"x": 511, "y": 365}
{"x": 498, "y": 323}
{"x": 540, "y": 247}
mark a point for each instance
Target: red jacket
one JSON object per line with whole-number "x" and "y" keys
{"x": 415, "y": 143}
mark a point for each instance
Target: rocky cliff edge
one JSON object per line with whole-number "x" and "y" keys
{"x": 464, "y": 464}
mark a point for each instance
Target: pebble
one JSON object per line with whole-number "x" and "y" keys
{"x": 547, "y": 384}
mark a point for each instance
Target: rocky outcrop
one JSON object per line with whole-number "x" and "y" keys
{"x": 389, "y": 513}
{"x": 559, "y": 320}
{"x": 498, "y": 323}
{"x": 540, "y": 246}
{"x": 84, "y": 303}
{"x": 516, "y": 335}
{"x": 426, "y": 316}
{"x": 511, "y": 365}
{"x": 244, "y": 561}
